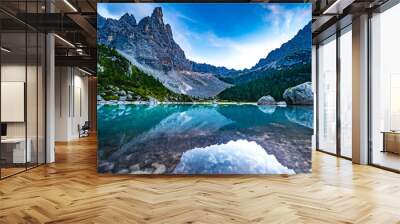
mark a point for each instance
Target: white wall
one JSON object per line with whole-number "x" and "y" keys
{"x": 62, "y": 82}
{"x": 81, "y": 104}
{"x": 71, "y": 102}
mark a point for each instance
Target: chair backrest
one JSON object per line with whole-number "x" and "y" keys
{"x": 86, "y": 125}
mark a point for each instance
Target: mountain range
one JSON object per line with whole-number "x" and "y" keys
{"x": 150, "y": 46}
{"x": 294, "y": 52}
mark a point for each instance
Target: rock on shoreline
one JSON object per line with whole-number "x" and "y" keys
{"x": 301, "y": 94}
{"x": 266, "y": 100}
{"x": 269, "y": 100}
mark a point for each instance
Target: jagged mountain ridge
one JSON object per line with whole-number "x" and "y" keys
{"x": 150, "y": 45}
{"x": 301, "y": 42}
{"x": 294, "y": 52}
{"x": 150, "y": 41}
{"x": 126, "y": 25}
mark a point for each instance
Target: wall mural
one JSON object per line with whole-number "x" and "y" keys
{"x": 195, "y": 88}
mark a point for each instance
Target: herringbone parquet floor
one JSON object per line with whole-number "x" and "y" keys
{"x": 70, "y": 191}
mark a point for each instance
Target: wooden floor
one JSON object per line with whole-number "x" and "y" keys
{"x": 70, "y": 191}
{"x": 5, "y": 172}
{"x": 386, "y": 159}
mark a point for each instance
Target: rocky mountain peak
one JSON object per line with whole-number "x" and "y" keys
{"x": 144, "y": 23}
{"x": 128, "y": 18}
{"x": 150, "y": 41}
{"x": 157, "y": 15}
{"x": 168, "y": 30}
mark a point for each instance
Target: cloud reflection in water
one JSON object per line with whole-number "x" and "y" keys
{"x": 234, "y": 157}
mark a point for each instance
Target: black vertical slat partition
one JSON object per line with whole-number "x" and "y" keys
{"x": 37, "y": 89}
{"x": 26, "y": 86}
{"x": 1, "y": 53}
{"x": 73, "y": 91}
{"x": 45, "y": 88}
{"x": 369, "y": 78}
{"x": 338, "y": 76}
{"x": 316, "y": 98}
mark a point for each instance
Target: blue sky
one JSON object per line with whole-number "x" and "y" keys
{"x": 231, "y": 35}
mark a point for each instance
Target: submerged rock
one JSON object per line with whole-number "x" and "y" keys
{"x": 140, "y": 172}
{"x": 123, "y": 171}
{"x": 266, "y": 100}
{"x": 134, "y": 168}
{"x": 160, "y": 168}
{"x": 105, "y": 166}
{"x": 301, "y": 94}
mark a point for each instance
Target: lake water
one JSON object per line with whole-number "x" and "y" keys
{"x": 204, "y": 139}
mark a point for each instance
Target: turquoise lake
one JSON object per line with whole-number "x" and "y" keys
{"x": 204, "y": 139}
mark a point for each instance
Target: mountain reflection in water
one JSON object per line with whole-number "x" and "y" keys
{"x": 204, "y": 139}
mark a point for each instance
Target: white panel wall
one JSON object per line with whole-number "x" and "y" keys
{"x": 71, "y": 102}
{"x": 61, "y": 115}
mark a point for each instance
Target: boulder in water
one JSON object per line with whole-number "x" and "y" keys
{"x": 301, "y": 94}
{"x": 266, "y": 100}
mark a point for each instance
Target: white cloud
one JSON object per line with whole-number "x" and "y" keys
{"x": 244, "y": 53}
{"x": 285, "y": 19}
{"x": 103, "y": 11}
{"x": 237, "y": 54}
{"x": 139, "y": 10}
